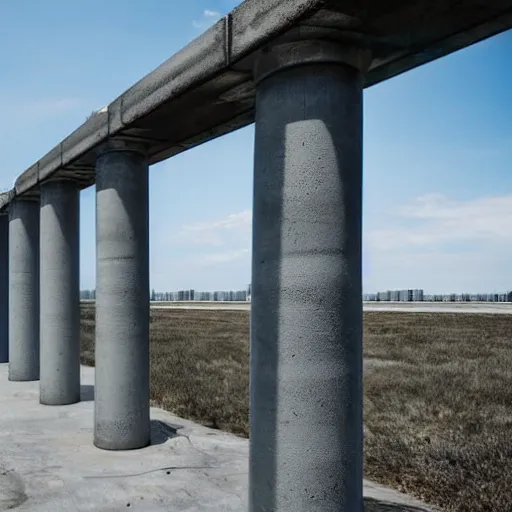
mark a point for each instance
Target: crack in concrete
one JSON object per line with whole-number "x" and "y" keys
{"x": 168, "y": 468}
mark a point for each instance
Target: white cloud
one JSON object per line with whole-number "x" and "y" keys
{"x": 208, "y": 18}
{"x": 426, "y": 223}
{"x": 219, "y": 243}
{"x": 220, "y": 258}
{"x": 442, "y": 245}
{"x": 472, "y": 271}
{"x": 433, "y": 220}
{"x": 434, "y": 242}
{"x": 220, "y": 231}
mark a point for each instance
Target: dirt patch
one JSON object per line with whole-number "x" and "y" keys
{"x": 12, "y": 490}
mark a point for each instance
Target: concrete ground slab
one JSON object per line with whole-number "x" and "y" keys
{"x": 206, "y": 305}
{"x": 489, "y": 308}
{"x": 48, "y": 462}
{"x": 494, "y": 308}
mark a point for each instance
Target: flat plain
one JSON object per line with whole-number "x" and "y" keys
{"x": 437, "y": 398}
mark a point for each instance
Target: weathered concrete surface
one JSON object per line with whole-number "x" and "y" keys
{"x": 59, "y": 291}
{"x": 6, "y": 198}
{"x": 208, "y": 85}
{"x": 122, "y": 301}
{"x": 24, "y": 290}
{"x": 306, "y": 398}
{"x": 49, "y": 464}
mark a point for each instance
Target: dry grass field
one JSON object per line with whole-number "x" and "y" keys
{"x": 438, "y": 394}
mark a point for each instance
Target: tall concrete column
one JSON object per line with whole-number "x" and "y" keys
{"x": 24, "y": 290}
{"x": 306, "y": 442}
{"x": 122, "y": 299}
{"x": 60, "y": 294}
{"x": 4, "y": 288}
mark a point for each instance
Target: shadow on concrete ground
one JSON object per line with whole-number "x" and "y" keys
{"x": 373, "y": 505}
{"x": 161, "y": 431}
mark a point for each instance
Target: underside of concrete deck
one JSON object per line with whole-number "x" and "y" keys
{"x": 207, "y": 89}
{"x": 48, "y": 462}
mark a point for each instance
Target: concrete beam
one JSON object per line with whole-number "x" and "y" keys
{"x": 122, "y": 300}
{"x": 60, "y": 294}
{"x": 208, "y": 84}
{"x": 5, "y": 200}
{"x": 306, "y": 398}
{"x": 24, "y": 290}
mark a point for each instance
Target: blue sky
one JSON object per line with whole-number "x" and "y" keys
{"x": 437, "y": 149}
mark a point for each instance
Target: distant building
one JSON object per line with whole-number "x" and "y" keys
{"x": 403, "y": 295}
{"x": 417, "y": 295}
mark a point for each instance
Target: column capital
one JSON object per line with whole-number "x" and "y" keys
{"x": 310, "y": 51}
{"x": 25, "y": 199}
{"x": 113, "y": 145}
{"x": 59, "y": 179}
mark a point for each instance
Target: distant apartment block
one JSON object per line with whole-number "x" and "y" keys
{"x": 395, "y": 296}
{"x": 195, "y": 295}
{"x": 88, "y": 295}
{"x": 418, "y": 295}
{"x": 409, "y": 295}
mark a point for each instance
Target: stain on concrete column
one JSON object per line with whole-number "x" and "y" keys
{"x": 24, "y": 290}
{"x": 122, "y": 300}
{"x": 306, "y": 431}
{"x": 4, "y": 288}
{"x": 60, "y": 294}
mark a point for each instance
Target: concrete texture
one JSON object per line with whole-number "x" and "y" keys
{"x": 24, "y": 290}
{"x": 60, "y": 294}
{"x": 306, "y": 320}
{"x": 5, "y": 199}
{"x": 122, "y": 301}
{"x": 4, "y": 288}
{"x": 208, "y": 85}
{"x": 49, "y": 464}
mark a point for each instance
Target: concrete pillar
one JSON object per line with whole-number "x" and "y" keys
{"x": 122, "y": 299}
{"x": 24, "y": 290}
{"x": 306, "y": 443}
{"x": 4, "y": 288}
{"x": 60, "y": 294}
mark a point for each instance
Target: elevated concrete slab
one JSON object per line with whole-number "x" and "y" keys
{"x": 49, "y": 464}
{"x": 5, "y": 199}
{"x": 206, "y": 89}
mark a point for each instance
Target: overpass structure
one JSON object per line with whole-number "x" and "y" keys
{"x": 297, "y": 68}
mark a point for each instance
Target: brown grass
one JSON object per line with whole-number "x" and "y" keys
{"x": 438, "y": 394}
{"x": 199, "y": 364}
